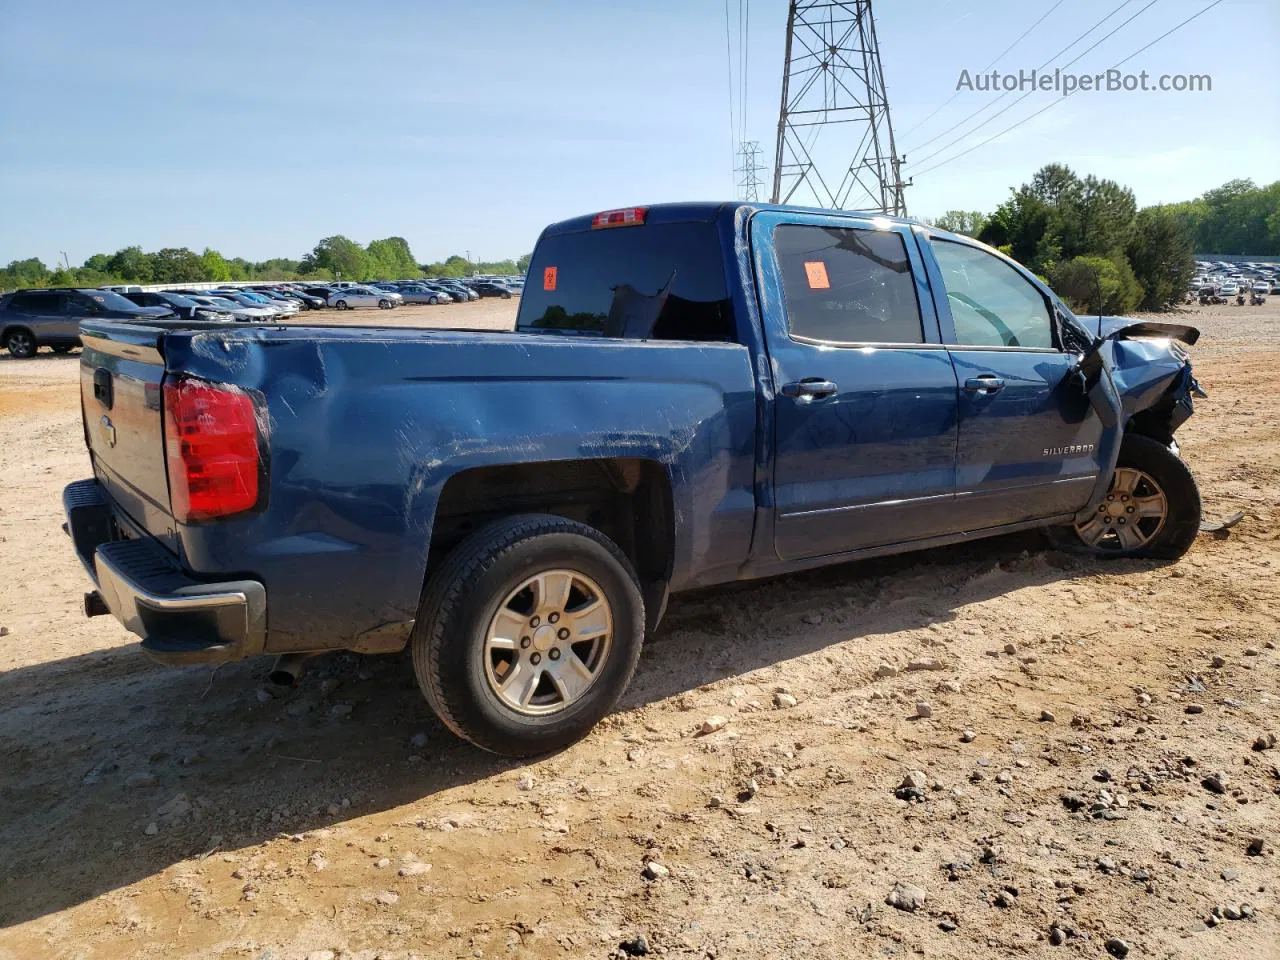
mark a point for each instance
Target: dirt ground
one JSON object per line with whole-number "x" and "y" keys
{"x": 1108, "y": 785}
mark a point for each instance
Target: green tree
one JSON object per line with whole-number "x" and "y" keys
{"x": 1159, "y": 250}
{"x": 214, "y": 266}
{"x": 176, "y": 265}
{"x": 100, "y": 262}
{"x": 1081, "y": 280}
{"x": 393, "y": 259}
{"x": 24, "y": 273}
{"x": 338, "y": 256}
{"x": 968, "y": 222}
{"x": 132, "y": 265}
{"x": 522, "y": 263}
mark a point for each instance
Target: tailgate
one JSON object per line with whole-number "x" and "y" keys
{"x": 121, "y": 372}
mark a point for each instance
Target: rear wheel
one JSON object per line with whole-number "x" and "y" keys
{"x": 528, "y": 634}
{"x": 1152, "y": 509}
{"x": 21, "y": 344}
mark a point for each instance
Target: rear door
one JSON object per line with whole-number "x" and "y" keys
{"x": 42, "y": 314}
{"x": 865, "y": 410}
{"x": 1029, "y": 439}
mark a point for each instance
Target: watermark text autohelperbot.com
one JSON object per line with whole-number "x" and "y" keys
{"x": 1108, "y": 81}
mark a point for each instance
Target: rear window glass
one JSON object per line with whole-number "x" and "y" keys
{"x": 848, "y": 286}
{"x": 656, "y": 281}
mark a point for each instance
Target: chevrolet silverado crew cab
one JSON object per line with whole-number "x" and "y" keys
{"x": 693, "y": 394}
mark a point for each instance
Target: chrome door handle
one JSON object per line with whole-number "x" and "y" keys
{"x": 810, "y": 388}
{"x": 985, "y": 384}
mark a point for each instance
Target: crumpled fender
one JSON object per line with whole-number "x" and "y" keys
{"x": 1137, "y": 377}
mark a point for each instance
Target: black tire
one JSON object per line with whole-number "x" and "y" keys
{"x": 506, "y": 296}
{"x": 1182, "y": 521}
{"x": 341, "y": 305}
{"x": 21, "y": 343}
{"x": 434, "y": 301}
{"x": 384, "y": 304}
{"x": 463, "y": 595}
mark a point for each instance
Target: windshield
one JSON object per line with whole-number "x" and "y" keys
{"x": 179, "y": 301}
{"x": 223, "y": 302}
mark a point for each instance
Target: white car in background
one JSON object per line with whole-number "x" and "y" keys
{"x": 352, "y": 298}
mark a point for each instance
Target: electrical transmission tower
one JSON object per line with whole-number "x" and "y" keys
{"x": 748, "y": 170}
{"x": 832, "y": 75}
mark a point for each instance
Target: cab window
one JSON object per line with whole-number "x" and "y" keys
{"x": 992, "y": 305}
{"x": 847, "y": 286}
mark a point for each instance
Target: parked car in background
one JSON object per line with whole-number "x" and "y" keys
{"x": 489, "y": 288}
{"x": 31, "y": 319}
{"x": 239, "y": 312}
{"x": 265, "y": 310}
{"x": 184, "y": 307}
{"x": 351, "y": 298}
{"x": 423, "y": 294}
{"x": 459, "y": 291}
{"x": 251, "y": 299}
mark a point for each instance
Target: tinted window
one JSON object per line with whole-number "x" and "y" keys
{"x": 848, "y": 286}
{"x": 991, "y": 303}
{"x": 111, "y": 300}
{"x": 177, "y": 300}
{"x": 81, "y": 306}
{"x": 35, "y": 303}
{"x": 656, "y": 281}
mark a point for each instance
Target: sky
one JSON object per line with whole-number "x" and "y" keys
{"x": 257, "y": 128}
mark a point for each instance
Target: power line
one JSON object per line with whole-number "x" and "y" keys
{"x": 994, "y": 61}
{"x": 728, "y": 57}
{"x": 992, "y": 103}
{"x": 1058, "y": 100}
{"x": 1083, "y": 53}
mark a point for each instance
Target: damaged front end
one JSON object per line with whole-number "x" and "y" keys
{"x": 1138, "y": 378}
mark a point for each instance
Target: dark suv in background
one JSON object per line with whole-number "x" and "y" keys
{"x": 31, "y": 319}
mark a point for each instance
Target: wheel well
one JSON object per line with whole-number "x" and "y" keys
{"x": 628, "y": 499}
{"x": 13, "y": 328}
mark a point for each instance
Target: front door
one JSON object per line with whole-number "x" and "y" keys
{"x": 1029, "y": 440}
{"x": 865, "y": 410}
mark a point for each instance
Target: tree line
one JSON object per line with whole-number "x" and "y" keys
{"x": 1088, "y": 240}
{"x": 333, "y": 258}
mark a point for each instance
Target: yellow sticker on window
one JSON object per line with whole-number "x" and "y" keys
{"x": 549, "y": 278}
{"x": 816, "y": 272}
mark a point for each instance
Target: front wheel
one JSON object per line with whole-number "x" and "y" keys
{"x": 434, "y": 301}
{"x": 528, "y": 634}
{"x": 506, "y": 296}
{"x": 1152, "y": 509}
{"x": 384, "y": 304}
{"x": 341, "y": 305}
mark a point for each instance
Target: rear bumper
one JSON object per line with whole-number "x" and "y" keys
{"x": 180, "y": 620}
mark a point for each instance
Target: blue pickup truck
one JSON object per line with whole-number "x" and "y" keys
{"x": 693, "y": 394}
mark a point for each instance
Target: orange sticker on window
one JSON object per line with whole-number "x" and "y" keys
{"x": 816, "y": 272}
{"x": 549, "y": 278}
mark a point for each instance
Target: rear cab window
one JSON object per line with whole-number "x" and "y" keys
{"x": 659, "y": 281}
{"x": 845, "y": 285}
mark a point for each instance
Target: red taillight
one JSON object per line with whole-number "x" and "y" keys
{"x": 211, "y": 445}
{"x": 627, "y": 217}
